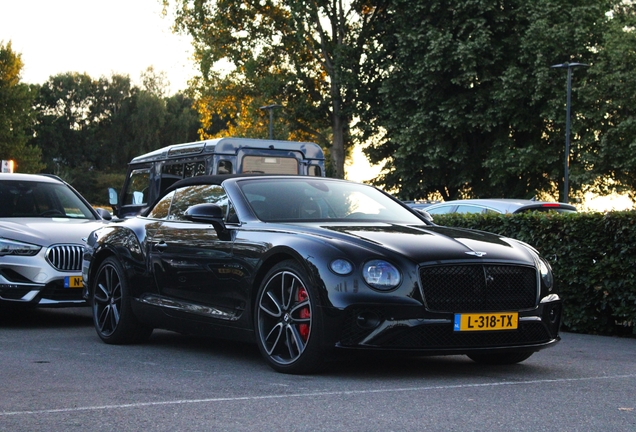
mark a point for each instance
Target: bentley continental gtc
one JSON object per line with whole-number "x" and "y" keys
{"x": 310, "y": 268}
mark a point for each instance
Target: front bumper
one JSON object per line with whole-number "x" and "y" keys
{"x": 413, "y": 329}
{"x": 15, "y": 288}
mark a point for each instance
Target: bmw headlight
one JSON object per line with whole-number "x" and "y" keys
{"x": 546, "y": 274}
{"x": 381, "y": 275}
{"x": 12, "y": 247}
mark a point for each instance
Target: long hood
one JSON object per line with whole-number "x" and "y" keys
{"x": 432, "y": 243}
{"x": 47, "y": 231}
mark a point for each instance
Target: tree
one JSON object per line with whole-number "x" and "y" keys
{"x": 67, "y": 112}
{"x": 155, "y": 82}
{"x": 15, "y": 114}
{"x": 90, "y": 129}
{"x": 608, "y": 142}
{"x": 308, "y": 56}
{"x": 182, "y": 122}
{"x": 468, "y": 103}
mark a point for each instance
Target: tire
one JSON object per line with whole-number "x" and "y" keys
{"x": 288, "y": 322}
{"x": 113, "y": 317}
{"x": 501, "y": 358}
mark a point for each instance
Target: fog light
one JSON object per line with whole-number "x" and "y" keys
{"x": 368, "y": 320}
{"x": 554, "y": 314}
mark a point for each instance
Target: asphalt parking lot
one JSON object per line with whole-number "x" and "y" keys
{"x": 56, "y": 375}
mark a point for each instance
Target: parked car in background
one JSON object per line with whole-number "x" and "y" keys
{"x": 150, "y": 174}
{"x": 419, "y": 205}
{"x": 497, "y": 205}
{"x": 307, "y": 266}
{"x": 43, "y": 224}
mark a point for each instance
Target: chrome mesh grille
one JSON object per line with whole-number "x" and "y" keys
{"x": 65, "y": 257}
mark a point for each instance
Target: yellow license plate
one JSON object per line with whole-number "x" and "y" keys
{"x": 73, "y": 282}
{"x": 486, "y": 321}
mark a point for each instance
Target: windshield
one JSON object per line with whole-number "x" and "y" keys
{"x": 322, "y": 200}
{"x": 22, "y": 199}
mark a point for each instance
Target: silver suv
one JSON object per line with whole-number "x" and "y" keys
{"x": 43, "y": 226}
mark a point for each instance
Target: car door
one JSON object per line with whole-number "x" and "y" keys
{"x": 190, "y": 262}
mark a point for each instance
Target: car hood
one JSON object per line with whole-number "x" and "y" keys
{"x": 433, "y": 243}
{"x": 47, "y": 231}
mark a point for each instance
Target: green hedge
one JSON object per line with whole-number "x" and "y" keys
{"x": 593, "y": 256}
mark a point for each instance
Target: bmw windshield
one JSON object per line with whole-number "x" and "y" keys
{"x": 28, "y": 199}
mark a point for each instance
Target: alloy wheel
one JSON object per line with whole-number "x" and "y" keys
{"x": 284, "y": 317}
{"x": 107, "y": 300}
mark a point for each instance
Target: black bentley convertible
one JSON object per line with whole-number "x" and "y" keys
{"x": 311, "y": 267}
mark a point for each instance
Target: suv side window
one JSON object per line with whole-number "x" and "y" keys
{"x": 224, "y": 167}
{"x": 138, "y": 183}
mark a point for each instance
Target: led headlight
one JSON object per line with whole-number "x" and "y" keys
{"x": 546, "y": 274}
{"x": 12, "y": 247}
{"x": 381, "y": 275}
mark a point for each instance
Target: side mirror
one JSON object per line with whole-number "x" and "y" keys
{"x": 104, "y": 214}
{"x": 113, "y": 199}
{"x": 209, "y": 213}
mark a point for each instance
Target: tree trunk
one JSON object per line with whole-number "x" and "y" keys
{"x": 337, "y": 148}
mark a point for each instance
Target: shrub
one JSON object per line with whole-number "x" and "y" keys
{"x": 593, "y": 256}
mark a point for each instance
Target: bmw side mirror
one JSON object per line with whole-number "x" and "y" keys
{"x": 104, "y": 214}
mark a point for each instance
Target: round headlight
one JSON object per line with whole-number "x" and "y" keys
{"x": 381, "y": 275}
{"x": 341, "y": 267}
{"x": 546, "y": 274}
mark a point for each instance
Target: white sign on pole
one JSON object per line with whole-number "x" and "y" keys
{"x": 7, "y": 166}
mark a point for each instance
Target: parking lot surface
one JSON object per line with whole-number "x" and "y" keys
{"x": 56, "y": 375}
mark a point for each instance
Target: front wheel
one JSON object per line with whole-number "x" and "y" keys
{"x": 500, "y": 358}
{"x": 112, "y": 314}
{"x": 288, "y": 321}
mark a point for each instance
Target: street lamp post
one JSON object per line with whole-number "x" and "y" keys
{"x": 270, "y": 108}
{"x": 566, "y": 173}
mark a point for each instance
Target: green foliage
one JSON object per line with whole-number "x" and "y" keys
{"x": 470, "y": 105}
{"x": 307, "y": 56}
{"x": 94, "y": 186}
{"x": 592, "y": 256}
{"x": 87, "y": 128}
{"x": 608, "y": 144}
{"x": 15, "y": 114}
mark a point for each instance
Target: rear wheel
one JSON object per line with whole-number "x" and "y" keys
{"x": 112, "y": 314}
{"x": 501, "y": 358}
{"x": 287, "y": 320}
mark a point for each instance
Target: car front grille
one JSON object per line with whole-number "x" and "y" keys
{"x": 478, "y": 287}
{"x": 65, "y": 257}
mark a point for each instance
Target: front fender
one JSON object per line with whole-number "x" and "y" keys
{"x": 122, "y": 243}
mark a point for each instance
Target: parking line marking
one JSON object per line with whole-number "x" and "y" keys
{"x": 301, "y": 395}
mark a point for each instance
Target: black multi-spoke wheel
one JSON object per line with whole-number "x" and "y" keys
{"x": 112, "y": 315}
{"x": 288, "y": 321}
{"x": 501, "y": 358}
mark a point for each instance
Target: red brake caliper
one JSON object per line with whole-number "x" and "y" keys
{"x": 304, "y": 313}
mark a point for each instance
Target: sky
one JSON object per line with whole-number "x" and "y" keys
{"x": 98, "y": 37}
